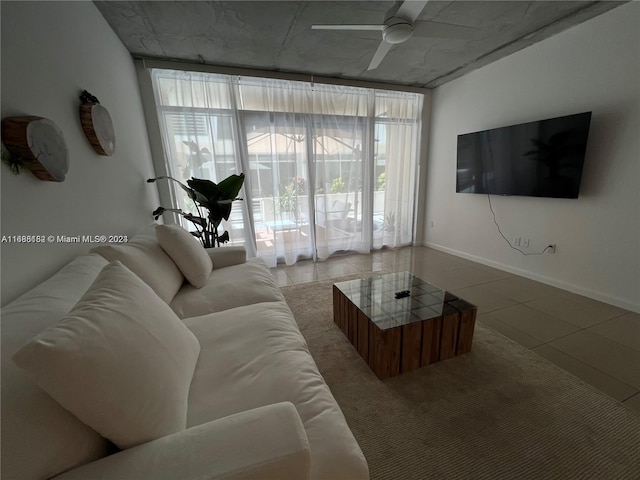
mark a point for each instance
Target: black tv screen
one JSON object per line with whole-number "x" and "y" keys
{"x": 536, "y": 159}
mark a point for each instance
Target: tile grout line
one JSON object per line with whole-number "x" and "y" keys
{"x": 590, "y": 366}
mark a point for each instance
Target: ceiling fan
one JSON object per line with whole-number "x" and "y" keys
{"x": 400, "y": 25}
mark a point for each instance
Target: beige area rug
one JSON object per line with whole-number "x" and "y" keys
{"x": 498, "y": 412}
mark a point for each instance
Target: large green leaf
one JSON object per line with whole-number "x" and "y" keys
{"x": 230, "y": 186}
{"x": 206, "y": 188}
{"x": 218, "y": 212}
{"x": 201, "y": 199}
{"x": 225, "y": 208}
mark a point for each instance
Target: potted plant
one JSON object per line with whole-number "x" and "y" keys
{"x": 212, "y": 202}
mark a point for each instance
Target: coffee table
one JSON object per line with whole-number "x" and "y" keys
{"x": 398, "y": 322}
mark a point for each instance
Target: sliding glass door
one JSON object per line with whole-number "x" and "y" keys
{"x": 324, "y": 172}
{"x": 339, "y": 183}
{"x": 278, "y": 163}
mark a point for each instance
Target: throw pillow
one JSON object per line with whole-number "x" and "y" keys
{"x": 187, "y": 252}
{"x": 122, "y": 361}
{"x": 144, "y": 256}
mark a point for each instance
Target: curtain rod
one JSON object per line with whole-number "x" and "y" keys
{"x": 150, "y": 62}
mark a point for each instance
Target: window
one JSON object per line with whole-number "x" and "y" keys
{"x": 328, "y": 168}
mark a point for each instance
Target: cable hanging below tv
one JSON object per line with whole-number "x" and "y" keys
{"x": 535, "y": 159}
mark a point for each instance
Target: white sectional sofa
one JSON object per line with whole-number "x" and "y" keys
{"x": 210, "y": 382}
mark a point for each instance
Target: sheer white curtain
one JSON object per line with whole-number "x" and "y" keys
{"x": 397, "y": 146}
{"x": 328, "y": 168}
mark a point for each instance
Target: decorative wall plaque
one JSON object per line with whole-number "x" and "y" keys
{"x": 97, "y": 125}
{"x": 38, "y": 144}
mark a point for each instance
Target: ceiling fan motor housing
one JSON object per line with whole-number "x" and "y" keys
{"x": 397, "y": 32}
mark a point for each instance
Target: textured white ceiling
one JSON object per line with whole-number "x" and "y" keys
{"x": 277, "y": 35}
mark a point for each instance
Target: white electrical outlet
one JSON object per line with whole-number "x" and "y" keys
{"x": 551, "y": 248}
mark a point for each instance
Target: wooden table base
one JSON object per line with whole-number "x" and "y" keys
{"x": 402, "y": 349}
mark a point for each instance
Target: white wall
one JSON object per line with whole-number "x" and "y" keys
{"x": 594, "y": 67}
{"x": 51, "y": 51}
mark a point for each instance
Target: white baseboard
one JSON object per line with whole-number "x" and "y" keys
{"x": 618, "y": 302}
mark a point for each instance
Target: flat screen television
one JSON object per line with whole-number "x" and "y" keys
{"x": 535, "y": 159}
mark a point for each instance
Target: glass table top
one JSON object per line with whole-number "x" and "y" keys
{"x": 376, "y": 298}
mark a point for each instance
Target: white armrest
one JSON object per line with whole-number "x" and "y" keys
{"x": 227, "y": 256}
{"x": 265, "y": 443}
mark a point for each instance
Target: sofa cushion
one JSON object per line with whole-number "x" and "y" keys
{"x": 144, "y": 256}
{"x": 267, "y": 443}
{"x": 227, "y": 256}
{"x": 122, "y": 362}
{"x": 229, "y": 287}
{"x": 255, "y": 355}
{"x": 40, "y": 438}
{"x": 187, "y": 253}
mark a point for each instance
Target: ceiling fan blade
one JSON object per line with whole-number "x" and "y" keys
{"x": 444, "y": 30}
{"x": 348, "y": 27}
{"x": 383, "y": 49}
{"x": 410, "y": 9}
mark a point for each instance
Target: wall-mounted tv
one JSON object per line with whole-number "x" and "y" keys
{"x": 535, "y": 159}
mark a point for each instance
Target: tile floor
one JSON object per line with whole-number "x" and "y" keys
{"x": 594, "y": 341}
